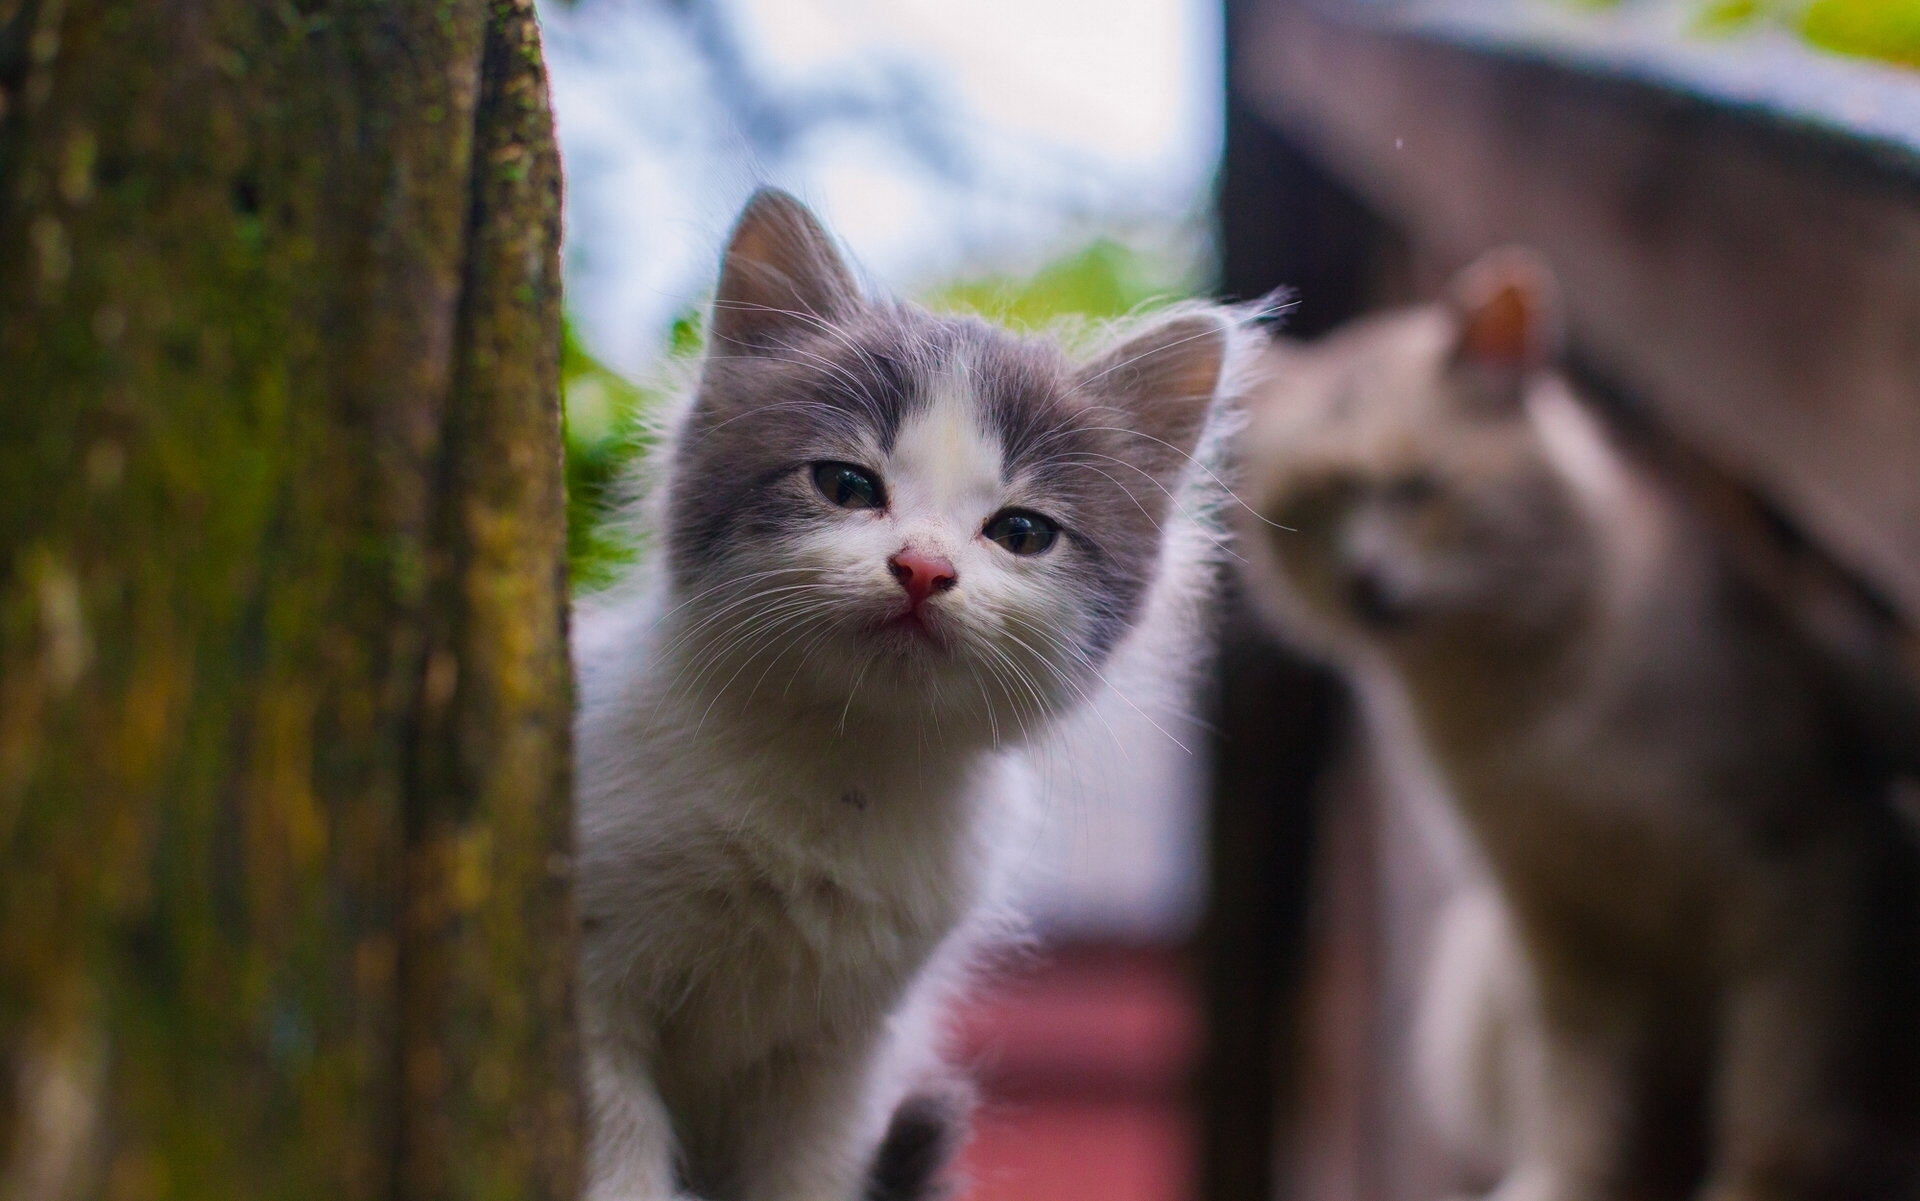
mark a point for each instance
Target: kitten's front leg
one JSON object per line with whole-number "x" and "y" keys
{"x": 801, "y": 1129}
{"x": 631, "y": 1146}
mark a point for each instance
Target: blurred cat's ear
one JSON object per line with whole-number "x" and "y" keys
{"x": 1508, "y": 307}
{"x": 1163, "y": 380}
{"x": 781, "y": 271}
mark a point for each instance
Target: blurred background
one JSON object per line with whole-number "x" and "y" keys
{"x": 1233, "y": 925}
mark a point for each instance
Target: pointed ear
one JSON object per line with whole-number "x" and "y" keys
{"x": 1508, "y": 306}
{"x": 1162, "y": 380}
{"x": 781, "y": 271}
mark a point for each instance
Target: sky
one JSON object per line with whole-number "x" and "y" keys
{"x": 948, "y": 139}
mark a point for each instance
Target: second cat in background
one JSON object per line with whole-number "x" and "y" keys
{"x": 1701, "y": 973}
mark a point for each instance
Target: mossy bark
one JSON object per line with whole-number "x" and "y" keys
{"x": 284, "y": 903}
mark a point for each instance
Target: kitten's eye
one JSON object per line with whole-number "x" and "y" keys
{"x": 848, "y": 486}
{"x": 1021, "y": 532}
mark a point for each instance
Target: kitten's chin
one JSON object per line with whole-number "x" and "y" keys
{"x": 936, "y": 676}
{"x": 912, "y": 632}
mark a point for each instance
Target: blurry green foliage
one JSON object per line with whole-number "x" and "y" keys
{"x": 1725, "y": 16}
{"x": 1887, "y": 29}
{"x": 1882, "y": 29}
{"x": 606, "y": 427}
{"x": 605, "y": 430}
{"x": 1104, "y": 280}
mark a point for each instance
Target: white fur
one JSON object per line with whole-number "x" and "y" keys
{"x": 1631, "y": 521}
{"x": 795, "y": 840}
{"x": 1477, "y": 1041}
{"x": 751, "y": 913}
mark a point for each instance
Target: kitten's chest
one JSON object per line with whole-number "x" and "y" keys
{"x": 844, "y": 856}
{"x": 835, "y": 891}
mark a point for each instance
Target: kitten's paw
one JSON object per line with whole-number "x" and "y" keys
{"x": 926, "y": 1133}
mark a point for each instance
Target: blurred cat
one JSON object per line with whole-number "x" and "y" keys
{"x": 893, "y": 549}
{"x": 1714, "y": 905}
{"x": 1476, "y": 1040}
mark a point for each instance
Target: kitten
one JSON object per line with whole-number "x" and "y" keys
{"x": 1715, "y": 907}
{"x": 893, "y": 548}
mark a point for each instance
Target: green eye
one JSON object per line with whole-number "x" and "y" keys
{"x": 1021, "y": 532}
{"x": 848, "y": 486}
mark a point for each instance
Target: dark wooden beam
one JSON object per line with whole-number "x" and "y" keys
{"x": 1284, "y": 222}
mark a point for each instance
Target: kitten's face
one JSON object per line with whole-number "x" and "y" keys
{"x": 897, "y": 515}
{"x": 1421, "y": 503}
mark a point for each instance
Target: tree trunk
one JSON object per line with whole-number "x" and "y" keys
{"x": 284, "y": 700}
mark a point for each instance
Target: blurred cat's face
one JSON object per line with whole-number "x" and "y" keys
{"x": 890, "y": 513}
{"x": 1418, "y": 498}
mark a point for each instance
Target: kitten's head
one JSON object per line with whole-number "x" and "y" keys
{"x": 1421, "y": 499}
{"x": 876, "y": 510}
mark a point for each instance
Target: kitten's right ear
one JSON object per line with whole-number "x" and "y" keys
{"x": 781, "y": 271}
{"x": 1163, "y": 380}
{"x": 1507, "y": 304}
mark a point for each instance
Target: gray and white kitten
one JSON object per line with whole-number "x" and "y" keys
{"x": 1712, "y": 904}
{"x": 892, "y": 549}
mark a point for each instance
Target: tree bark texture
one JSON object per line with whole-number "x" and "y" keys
{"x": 284, "y": 699}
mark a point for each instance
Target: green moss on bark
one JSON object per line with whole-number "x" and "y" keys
{"x": 283, "y": 693}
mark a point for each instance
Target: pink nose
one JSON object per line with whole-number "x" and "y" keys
{"x": 921, "y": 575}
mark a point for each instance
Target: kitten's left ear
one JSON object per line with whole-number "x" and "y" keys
{"x": 1508, "y": 307}
{"x": 1163, "y": 380}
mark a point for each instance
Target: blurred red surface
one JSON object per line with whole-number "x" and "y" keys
{"x": 1083, "y": 1060}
